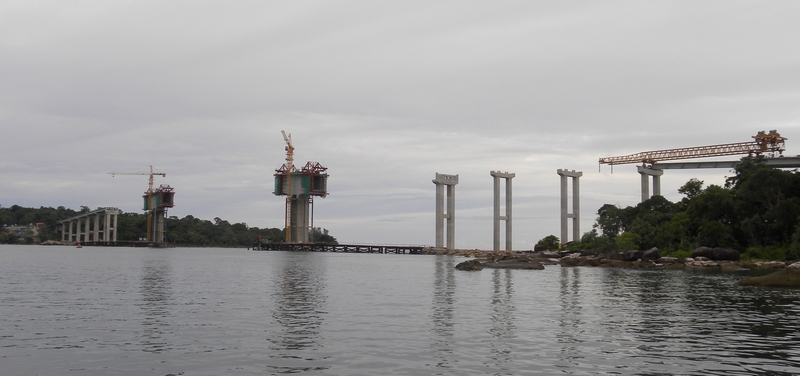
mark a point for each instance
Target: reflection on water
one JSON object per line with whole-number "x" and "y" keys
{"x": 763, "y": 321}
{"x": 699, "y": 319}
{"x": 299, "y": 312}
{"x": 502, "y": 328}
{"x": 570, "y": 319}
{"x": 444, "y": 288}
{"x": 155, "y": 290}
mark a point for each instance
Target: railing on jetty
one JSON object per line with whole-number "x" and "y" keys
{"x": 125, "y": 243}
{"x": 342, "y": 248}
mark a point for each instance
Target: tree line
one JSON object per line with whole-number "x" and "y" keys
{"x": 187, "y": 231}
{"x": 756, "y": 212}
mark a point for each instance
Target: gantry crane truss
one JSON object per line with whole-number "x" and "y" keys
{"x": 763, "y": 143}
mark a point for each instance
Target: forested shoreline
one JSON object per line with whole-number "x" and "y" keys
{"x": 184, "y": 232}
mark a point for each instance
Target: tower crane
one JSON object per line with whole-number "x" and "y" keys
{"x": 763, "y": 143}
{"x": 289, "y": 151}
{"x": 149, "y": 195}
{"x": 289, "y": 168}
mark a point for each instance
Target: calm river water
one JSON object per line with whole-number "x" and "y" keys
{"x": 125, "y": 311}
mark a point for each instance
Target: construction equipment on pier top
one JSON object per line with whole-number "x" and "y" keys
{"x": 300, "y": 187}
{"x": 155, "y": 204}
{"x": 768, "y": 144}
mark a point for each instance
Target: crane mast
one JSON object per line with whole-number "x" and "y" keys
{"x": 289, "y": 168}
{"x": 763, "y": 143}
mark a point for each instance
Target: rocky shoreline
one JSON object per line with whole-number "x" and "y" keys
{"x": 704, "y": 257}
{"x": 635, "y": 259}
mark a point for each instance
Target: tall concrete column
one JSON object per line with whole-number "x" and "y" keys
{"x": 576, "y": 204}
{"x": 87, "y": 229}
{"x": 441, "y": 181}
{"x": 451, "y": 216}
{"x": 161, "y": 214}
{"x": 106, "y": 226}
{"x": 497, "y": 217}
{"x": 78, "y": 230}
{"x": 657, "y": 184}
{"x": 63, "y": 232}
{"x": 440, "y": 214}
{"x": 299, "y": 221}
{"x": 96, "y": 236}
{"x": 115, "y": 227}
{"x": 646, "y": 174}
{"x": 508, "y": 214}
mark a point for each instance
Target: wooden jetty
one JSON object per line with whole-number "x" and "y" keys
{"x": 341, "y": 248}
{"x": 125, "y": 243}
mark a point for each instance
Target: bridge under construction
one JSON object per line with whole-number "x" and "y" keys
{"x": 300, "y": 187}
{"x": 770, "y": 145}
{"x": 155, "y": 203}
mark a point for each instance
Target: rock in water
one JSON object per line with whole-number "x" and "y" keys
{"x": 788, "y": 277}
{"x": 651, "y": 254}
{"x": 627, "y": 256}
{"x": 514, "y": 264}
{"x": 470, "y": 265}
{"x": 717, "y": 254}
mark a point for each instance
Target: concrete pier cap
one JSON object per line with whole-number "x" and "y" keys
{"x": 656, "y": 176}
{"x": 445, "y": 179}
{"x": 505, "y": 175}
{"x": 570, "y": 173}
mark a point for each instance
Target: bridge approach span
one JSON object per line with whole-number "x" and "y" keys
{"x": 777, "y": 162}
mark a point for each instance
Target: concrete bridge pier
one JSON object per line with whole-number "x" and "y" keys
{"x": 111, "y": 224}
{"x": 87, "y": 229}
{"x": 497, "y": 217}
{"x": 576, "y": 205}
{"x": 646, "y": 173}
{"x": 450, "y": 182}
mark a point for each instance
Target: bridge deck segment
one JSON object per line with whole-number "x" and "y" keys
{"x": 777, "y": 162}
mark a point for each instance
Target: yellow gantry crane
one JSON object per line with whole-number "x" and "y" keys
{"x": 762, "y": 143}
{"x": 149, "y": 195}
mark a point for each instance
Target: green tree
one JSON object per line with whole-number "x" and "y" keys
{"x": 714, "y": 234}
{"x": 321, "y": 236}
{"x": 691, "y": 189}
{"x": 627, "y": 241}
{"x": 609, "y": 220}
{"x": 550, "y": 241}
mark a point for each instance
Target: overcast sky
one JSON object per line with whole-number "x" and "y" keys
{"x": 384, "y": 94}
